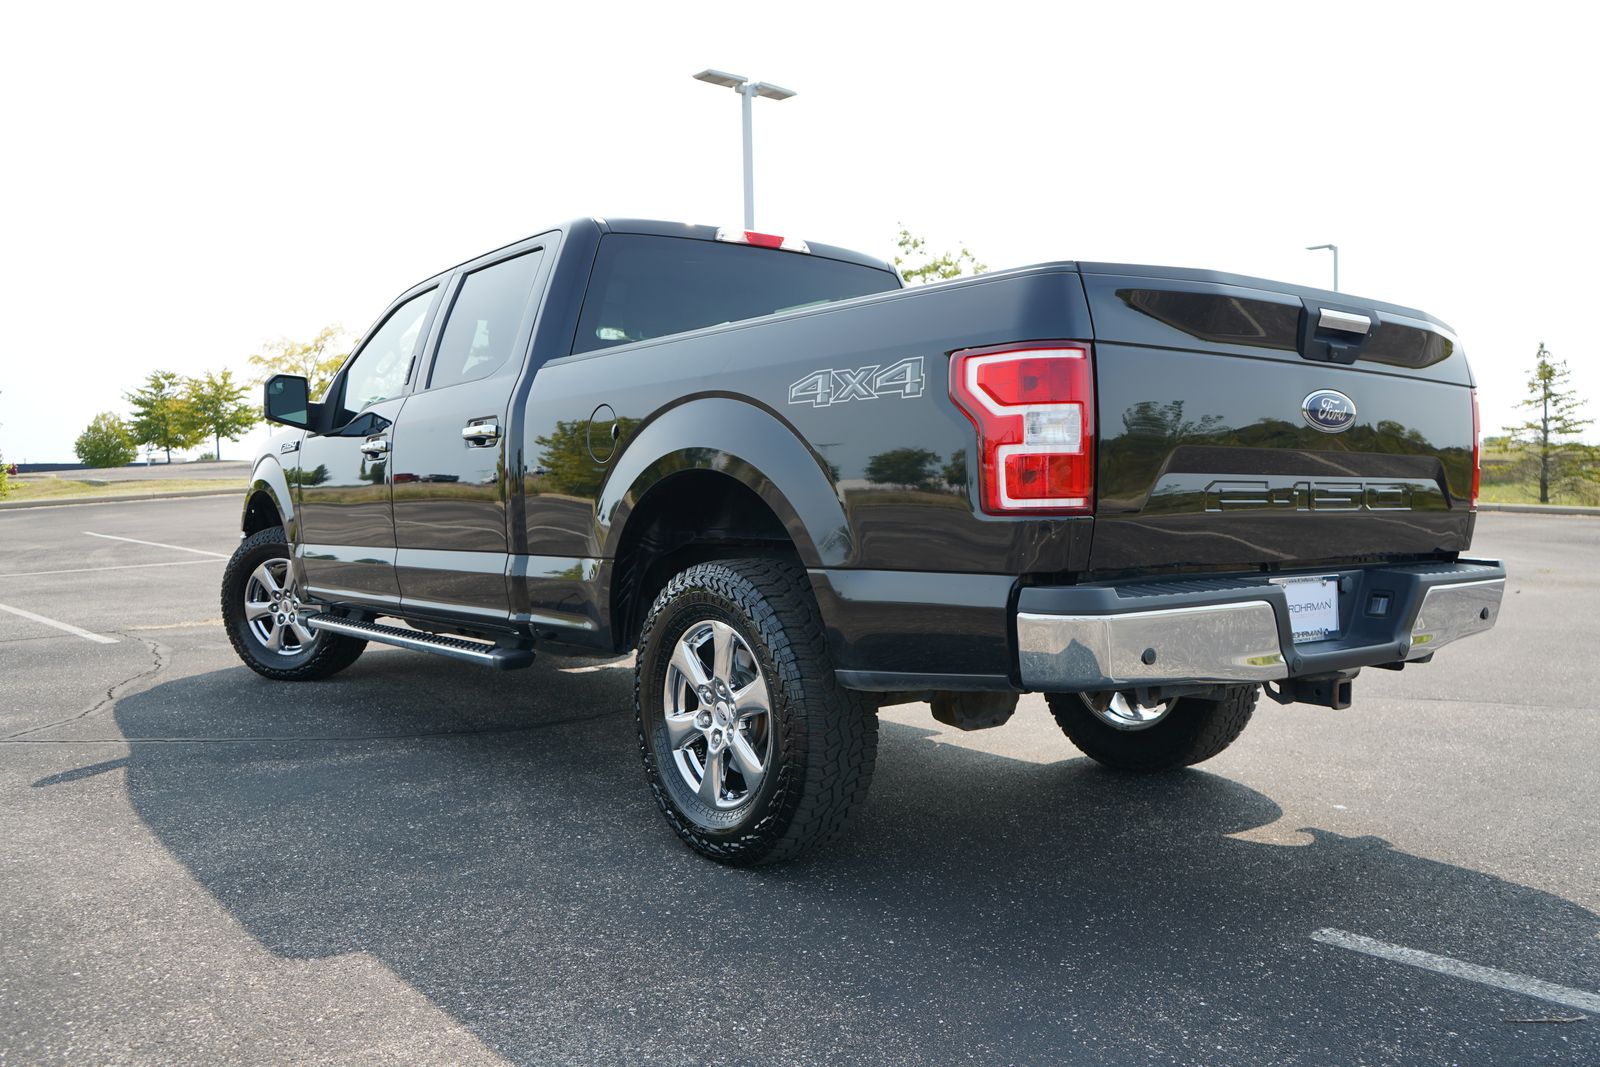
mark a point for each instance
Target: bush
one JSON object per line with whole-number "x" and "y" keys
{"x": 206, "y": 457}
{"x": 4, "y": 477}
{"x": 107, "y": 442}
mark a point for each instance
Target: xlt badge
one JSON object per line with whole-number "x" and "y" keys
{"x": 1329, "y": 410}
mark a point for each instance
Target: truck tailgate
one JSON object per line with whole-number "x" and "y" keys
{"x": 1244, "y": 423}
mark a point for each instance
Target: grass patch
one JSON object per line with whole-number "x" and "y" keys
{"x": 1510, "y": 476}
{"x": 68, "y": 488}
{"x": 1508, "y": 493}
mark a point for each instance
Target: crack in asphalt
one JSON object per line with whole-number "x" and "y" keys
{"x": 161, "y": 659}
{"x": 160, "y": 655}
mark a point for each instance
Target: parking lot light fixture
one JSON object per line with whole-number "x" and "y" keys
{"x": 748, "y": 90}
{"x": 1335, "y": 250}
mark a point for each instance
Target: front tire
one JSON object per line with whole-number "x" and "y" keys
{"x": 1125, "y": 738}
{"x": 264, "y": 615}
{"x": 753, "y": 750}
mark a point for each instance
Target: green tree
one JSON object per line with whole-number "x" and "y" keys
{"x": 918, "y": 266}
{"x": 106, "y": 442}
{"x": 316, "y": 360}
{"x": 1562, "y": 463}
{"x": 161, "y": 414}
{"x": 566, "y": 466}
{"x": 315, "y": 476}
{"x": 955, "y": 472}
{"x": 217, "y": 407}
{"x": 912, "y": 468}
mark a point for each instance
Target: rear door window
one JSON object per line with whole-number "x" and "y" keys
{"x": 485, "y": 320}
{"x": 644, "y": 286}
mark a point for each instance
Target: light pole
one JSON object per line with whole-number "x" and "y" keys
{"x": 748, "y": 90}
{"x": 1335, "y": 250}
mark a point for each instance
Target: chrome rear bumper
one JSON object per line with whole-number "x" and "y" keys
{"x": 1094, "y": 638}
{"x": 1451, "y": 612}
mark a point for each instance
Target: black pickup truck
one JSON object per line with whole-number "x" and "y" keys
{"x": 802, "y": 492}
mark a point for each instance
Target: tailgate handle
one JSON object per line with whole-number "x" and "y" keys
{"x": 1334, "y": 334}
{"x": 1344, "y": 321}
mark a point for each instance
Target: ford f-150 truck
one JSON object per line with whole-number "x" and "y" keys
{"x": 801, "y": 492}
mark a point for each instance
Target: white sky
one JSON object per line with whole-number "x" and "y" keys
{"x": 179, "y": 184}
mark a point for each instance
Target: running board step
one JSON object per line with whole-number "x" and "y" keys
{"x": 480, "y": 652}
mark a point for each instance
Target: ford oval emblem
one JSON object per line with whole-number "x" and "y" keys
{"x": 1329, "y": 410}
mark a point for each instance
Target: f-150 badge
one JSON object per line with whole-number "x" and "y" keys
{"x": 823, "y": 388}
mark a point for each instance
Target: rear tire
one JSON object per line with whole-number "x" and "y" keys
{"x": 275, "y": 643}
{"x": 753, "y": 750}
{"x": 1192, "y": 731}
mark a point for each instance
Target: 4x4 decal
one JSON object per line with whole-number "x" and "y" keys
{"x": 825, "y": 387}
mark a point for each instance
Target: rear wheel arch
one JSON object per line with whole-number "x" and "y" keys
{"x": 746, "y": 443}
{"x": 712, "y": 478}
{"x": 685, "y": 518}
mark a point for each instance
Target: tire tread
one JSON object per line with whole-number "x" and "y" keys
{"x": 1192, "y": 732}
{"x": 832, "y": 730}
{"x": 334, "y": 652}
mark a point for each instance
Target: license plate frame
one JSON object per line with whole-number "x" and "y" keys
{"x": 1313, "y": 606}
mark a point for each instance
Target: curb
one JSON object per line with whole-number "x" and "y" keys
{"x": 1541, "y": 509}
{"x": 125, "y": 498}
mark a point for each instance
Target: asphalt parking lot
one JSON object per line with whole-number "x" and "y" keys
{"x": 424, "y": 862}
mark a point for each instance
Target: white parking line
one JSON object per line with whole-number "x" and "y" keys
{"x": 1427, "y": 961}
{"x": 118, "y": 567}
{"x": 157, "y": 544}
{"x": 67, "y": 626}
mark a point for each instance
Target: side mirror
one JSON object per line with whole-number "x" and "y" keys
{"x": 288, "y": 400}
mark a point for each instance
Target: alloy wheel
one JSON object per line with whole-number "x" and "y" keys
{"x": 273, "y": 611}
{"x": 718, "y": 715}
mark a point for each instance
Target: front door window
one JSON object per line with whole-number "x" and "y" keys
{"x": 378, "y": 371}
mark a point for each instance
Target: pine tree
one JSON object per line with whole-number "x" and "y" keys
{"x": 1563, "y": 463}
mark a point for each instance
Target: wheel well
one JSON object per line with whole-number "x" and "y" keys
{"x": 686, "y": 519}
{"x": 260, "y": 513}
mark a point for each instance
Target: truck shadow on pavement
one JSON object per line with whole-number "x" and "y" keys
{"x": 491, "y": 840}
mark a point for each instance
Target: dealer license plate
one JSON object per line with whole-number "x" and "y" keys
{"x": 1313, "y": 607}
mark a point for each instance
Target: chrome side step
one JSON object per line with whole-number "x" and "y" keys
{"x": 480, "y": 652}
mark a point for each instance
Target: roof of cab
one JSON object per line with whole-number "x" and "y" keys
{"x": 658, "y": 228}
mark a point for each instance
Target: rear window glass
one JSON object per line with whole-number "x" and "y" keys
{"x": 1220, "y": 319}
{"x": 1404, "y": 346}
{"x": 1241, "y": 321}
{"x": 644, "y": 286}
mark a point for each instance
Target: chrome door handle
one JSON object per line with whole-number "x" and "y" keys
{"x": 375, "y": 446}
{"x": 480, "y": 434}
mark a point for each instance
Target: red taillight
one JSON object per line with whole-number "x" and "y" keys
{"x": 1033, "y": 406}
{"x": 1477, "y": 451}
